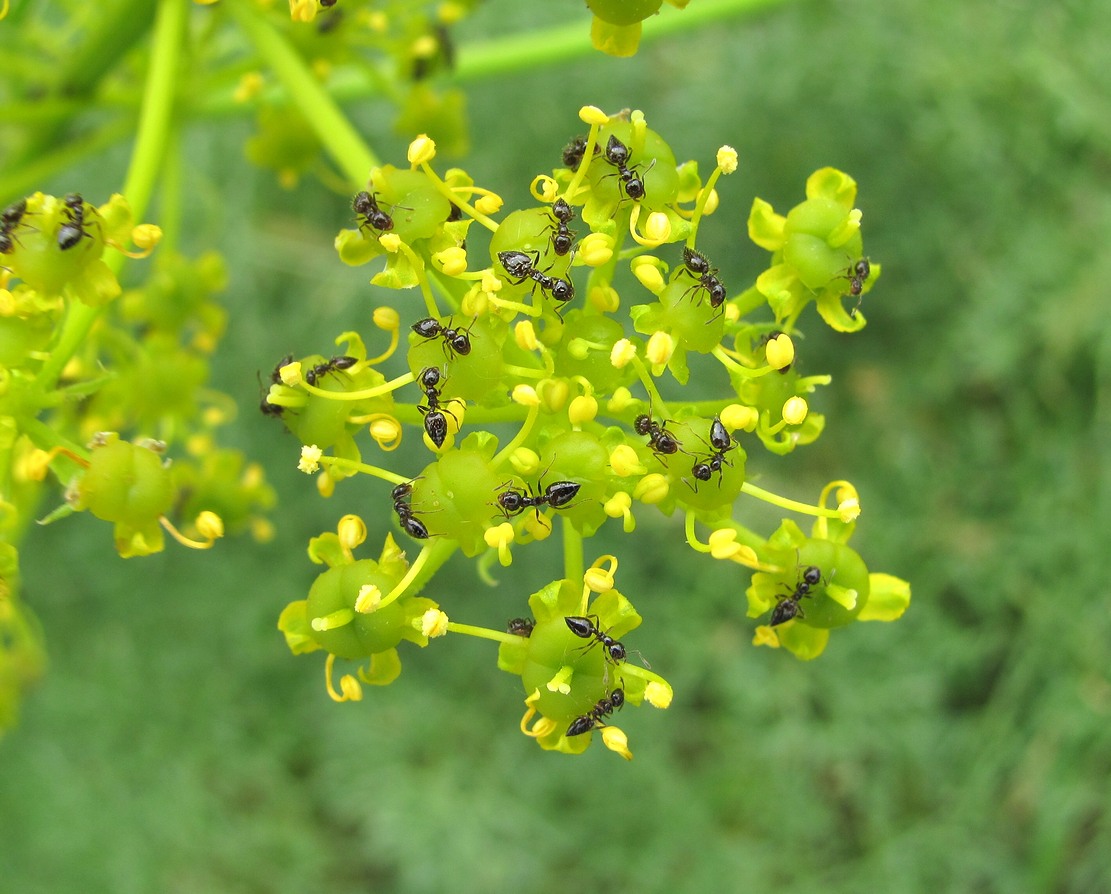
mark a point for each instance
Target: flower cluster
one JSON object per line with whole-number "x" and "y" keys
{"x": 532, "y": 335}
{"x": 82, "y": 360}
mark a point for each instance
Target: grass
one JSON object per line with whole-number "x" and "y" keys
{"x": 175, "y": 746}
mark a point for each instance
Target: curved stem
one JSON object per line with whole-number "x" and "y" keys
{"x": 150, "y": 146}
{"x": 343, "y": 143}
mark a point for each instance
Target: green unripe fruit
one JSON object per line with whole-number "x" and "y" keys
{"x": 455, "y": 497}
{"x": 840, "y": 566}
{"x": 597, "y": 334}
{"x": 807, "y": 230}
{"x": 126, "y": 483}
{"x": 367, "y": 634}
{"x": 551, "y": 647}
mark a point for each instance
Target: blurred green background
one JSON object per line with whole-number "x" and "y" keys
{"x": 176, "y": 746}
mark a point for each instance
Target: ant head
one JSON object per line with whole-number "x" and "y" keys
{"x": 461, "y": 343}
{"x": 562, "y": 289}
{"x": 430, "y": 377}
{"x": 563, "y": 212}
{"x": 617, "y": 153}
{"x": 634, "y": 188}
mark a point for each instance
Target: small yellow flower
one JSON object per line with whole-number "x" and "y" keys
{"x": 849, "y": 510}
{"x": 526, "y": 396}
{"x": 351, "y": 530}
{"x": 660, "y": 348}
{"x": 524, "y": 460}
{"x": 620, "y": 506}
{"x": 452, "y": 261}
{"x": 554, "y": 394}
{"x": 368, "y": 599}
{"x": 622, "y": 353}
{"x": 209, "y": 525}
{"x": 658, "y": 694}
{"x": 499, "y": 537}
{"x": 625, "y": 462}
{"x": 646, "y": 269}
{"x": 524, "y": 333}
{"x": 433, "y": 623}
{"x": 593, "y": 115}
{"x": 488, "y": 204}
{"x": 738, "y": 417}
{"x": 290, "y": 374}
{"x": 582, "y": 409}
{"x": 604, "y": 298}
{"x": 490, "y": 281}
{"x": 386, "y": 318}
{"x": 599, "y": 576}
{"x": 621, "y": 398}
{"x": 657, "y": 229}
{"x": 780, "y": 351}
{"x": 727, "y": 159}
{"x": 350, "y": 689}
{"x": 391, "y": 242}
{"x": 422, "y": 150}
{"x": 795, "y": 410}
{"x": 765, "y": 636}
{"x": 386, "y": 431}
{"x": 596, "y": 249}
{"x": 146, "y": 236}
{"x": 616, "y": 740}
{"x": 723, "y": 543}
{"x": 651, "y": 488}
{"x": 310, "y": 459}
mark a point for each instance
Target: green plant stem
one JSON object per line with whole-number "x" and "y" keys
{"x": 116, "y": 28}
{"x": 551, "y": 46}
{"x": 573, "y": 568}
{"x": 150, "y": 147}
{"x": 508, "y": 55}
{"x": 344, "y": 144}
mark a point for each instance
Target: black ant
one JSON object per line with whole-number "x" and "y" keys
{"x": 435, "y": 423}
{"x": 269, "y": 409}
{"x": 857, "y": 275}
{"x": 520, "y": 266}
{"x": 587, "y": 627}
{"x": 721, "y": 444}
{"x": 557, "y": 495}
{"x": 593, "y": 717}
{"x": 662, "y": 442}
{"x": 366, "y": 206}
{"x": 72, "y": 232}
{"x": 520, "y": 626}
{"x": 698, "y": 266}
{"x": 456, "y": 341}
{"x": 413, "y": 526}
{"x": 562, "y": 236}
{"x": 788, "y": 606}
{"x": 617, "y": 154}
{"x": 322, "y": 369}
{"x": 573, "y": 153}
{"x": 9, "y": 221}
